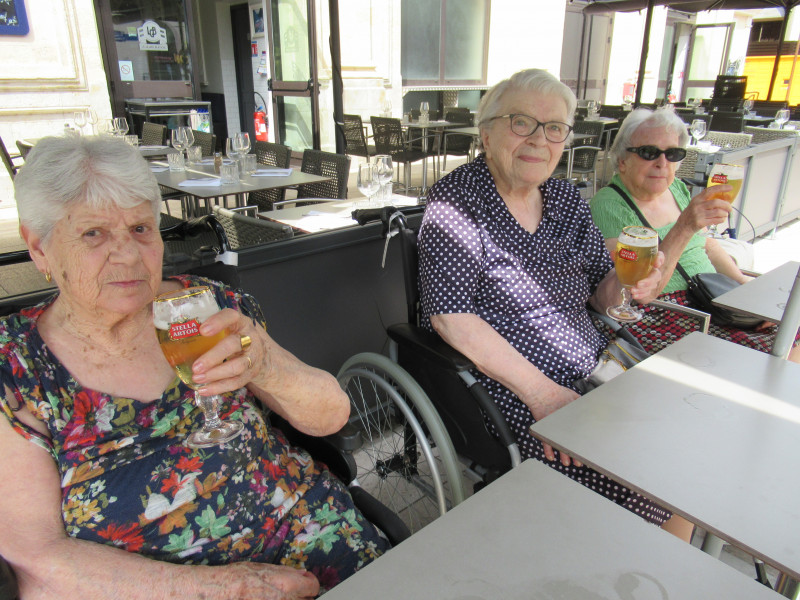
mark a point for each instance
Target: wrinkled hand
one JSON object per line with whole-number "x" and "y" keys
{"x": 226, "y": 367}
{"x": 246, "y": 580}
{"x": 547, "y": 403}
{"x": 646, "y": 289}
{"x": 705, "y": 209}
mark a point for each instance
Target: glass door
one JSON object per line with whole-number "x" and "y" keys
{"x": 708, "y": 58}
{"x": 295, "y": 99}
{"x": 148, "y": 49}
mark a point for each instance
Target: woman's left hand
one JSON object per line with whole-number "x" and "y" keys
{"x": 227, "y": 366}
{"x": 647, "y": 289}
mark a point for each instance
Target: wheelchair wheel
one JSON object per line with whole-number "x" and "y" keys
{"x": 407, "y": 460}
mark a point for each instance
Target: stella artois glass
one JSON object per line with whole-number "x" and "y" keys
{"x": 723, "y": 174}
{"x": 636, "y": 252}
{"x": 177, "y": 317}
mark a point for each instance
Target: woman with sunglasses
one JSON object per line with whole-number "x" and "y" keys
{"x": 646, "y": 153}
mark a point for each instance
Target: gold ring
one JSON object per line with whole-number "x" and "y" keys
{"x": 249, "y": 361}
{"x": 245, "y": 341}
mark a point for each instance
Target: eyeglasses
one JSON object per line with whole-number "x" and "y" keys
{"x": 653, "y": 152}
{"x": 525, "y": 126}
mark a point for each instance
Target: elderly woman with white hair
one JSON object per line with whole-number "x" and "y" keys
{"x": 100, "y": 496}
{"x": 509, "y": 259}
{"x": 646, "y": 152}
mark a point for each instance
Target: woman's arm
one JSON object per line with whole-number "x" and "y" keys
{"x": 309, "y": 398}
{"x": 49, "y": 564}
{"x": 646, "y": 290}
{"x": 722, "y": 261}
{"x": 494, "y": 356}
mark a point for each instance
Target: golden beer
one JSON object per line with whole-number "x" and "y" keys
{"x": 724, "y": 174}
{"x": 636, "y": 252}
{"x": 183, "y": 351}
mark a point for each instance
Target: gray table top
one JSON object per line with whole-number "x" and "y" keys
{"x": 707, "y": 428}
{"x": 559, "y": 541}
{"x": 765, "y": 296}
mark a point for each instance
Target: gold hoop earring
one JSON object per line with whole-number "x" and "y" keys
{"x": 47, "y": 277}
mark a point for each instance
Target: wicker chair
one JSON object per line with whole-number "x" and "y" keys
{"x": 729, "y": 140}
{"x": 686, "y": 169}
{"x": 389, "y": 139}
{"x": 335, "y": 166}
{"x": 730, "y": 122}
{"x": 8, "y": 160}
{"x": 354, "y": 137}
{"x": 206, "y": 141}
{"x": 584, "y": 155}
{"x": 273, "y": 155}
{"x": 456, "y": 144}
{"x": 244, "y": 231}
{"x": 763, "y": 134}
{"x": 153, "y": 134}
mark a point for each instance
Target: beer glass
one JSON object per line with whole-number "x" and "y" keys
{"x": 636, "y": 252}
{"x": 177, "y": 317}
{"x": 722, "y": 173}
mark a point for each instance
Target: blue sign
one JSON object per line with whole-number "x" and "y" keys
{"x": 13, "y": 19}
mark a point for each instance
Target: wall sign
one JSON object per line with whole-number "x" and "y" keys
{"x": 13, "y": 18}
{"x": 126, "y": 70}
{"x": 151, "y": 37}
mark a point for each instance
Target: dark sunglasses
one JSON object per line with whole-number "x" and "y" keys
{"x": 653, "y": 152}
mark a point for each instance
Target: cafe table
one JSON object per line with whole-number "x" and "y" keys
{"x": 765, "y": 296}
{"x": 535, "y": 534}
{"x": 326, "y": 214}
{"x": 707, "y": 428}
{"x": 438, "y": 127}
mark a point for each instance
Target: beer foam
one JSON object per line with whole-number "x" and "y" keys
{"x": 200, "y": 307}
{"x": 640, "y": 237}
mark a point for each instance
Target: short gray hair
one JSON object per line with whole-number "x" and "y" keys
{"x": 644, "y": 117}
{"x": 530, "y": 80}
{"x": 101, "y": 171}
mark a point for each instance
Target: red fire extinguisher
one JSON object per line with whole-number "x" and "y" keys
{"x": 261, "y": 124}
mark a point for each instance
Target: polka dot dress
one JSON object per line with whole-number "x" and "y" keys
{"x": 474, "y": 257}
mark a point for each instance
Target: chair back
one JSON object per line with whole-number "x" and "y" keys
{"x": 388, "y": 135}
{"x": 328, "y": 164}
{"x": 244, "y": 231}
{"x": 8, "y": 160}
{"x": 686, "y": 169}
{"x": 764, "y": 134}
{"x": 153, "y": 134}
{"x": 457, "y": 143}
{"x": 206, "y": 141}
{"x": 355, "y": 142}
{"x": 613, "y": 111}
{"x": 586, "y": 159}
{"x": 726, "y": 104}
{"x": 273, "y": 155}
{"x": 729, "y": 140}
{"x": 727, "y": 122}
{"x": 24, "y": 148}
{"x": 768, "y": 108}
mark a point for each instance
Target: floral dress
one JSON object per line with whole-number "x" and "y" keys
{"x": 129, "y": 480}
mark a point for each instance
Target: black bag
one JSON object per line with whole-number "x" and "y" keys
{"x": 616, "y": 358}
{"x": 704, "y": 287}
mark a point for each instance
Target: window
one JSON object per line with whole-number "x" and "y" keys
{"x": 444, "y": 41}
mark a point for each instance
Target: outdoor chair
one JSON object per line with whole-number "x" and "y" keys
{"x": 244, "y": 231}
{"x": 685, "y": 170}
{"x": 768, "y": 108}
{"x": 729, "y": 140}
{"x": 726, "y": 105}
{"x": 456, "y": 144}
{"x": 206, "y": 141}
{"x": 730, "y": 122}
{"x": 153, "y": 134}
{"x": 328, "y": 164}
{"x": 273, "y": 155}
{"x": 8, "y": 160}
{"x": 764, "y": 134}
{"x": 584, "y": 153}
{"x": 389, "y": 139}
{"x": 355, "y": 139}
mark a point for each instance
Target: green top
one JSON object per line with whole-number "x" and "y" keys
{"x": 611, "y": 213}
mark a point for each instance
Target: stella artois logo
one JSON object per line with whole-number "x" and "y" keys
{"x": 627, "y": 254}
{"x": 179, "y": 331}
{"x": 720, "y": 178}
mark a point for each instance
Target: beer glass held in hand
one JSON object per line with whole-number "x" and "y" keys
{"x": 637, "y": 248}
{"x": 177, "y": 317}
{"x": 724, "y": 174}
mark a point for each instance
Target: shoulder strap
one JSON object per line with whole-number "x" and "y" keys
{"x": 635, "y": 209}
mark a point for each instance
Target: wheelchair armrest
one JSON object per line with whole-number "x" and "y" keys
{"x": 430, "y": 346}
{"x": 379, "y": 514}
{"x": 704, "y": 317}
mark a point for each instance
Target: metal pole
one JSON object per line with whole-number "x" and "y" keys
{"x": 775, "y": 65}
{"x": 645, "y": 49}
{"x": 336, "y": 84}
{"x": 790, "y": 322}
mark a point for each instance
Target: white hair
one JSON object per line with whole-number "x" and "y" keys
{"x": 60, "y": 172}
{"x": 644, "y": 117}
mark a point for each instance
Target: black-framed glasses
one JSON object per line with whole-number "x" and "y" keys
{"x": 653, "y": 152}
{"x": 524, "y": 126}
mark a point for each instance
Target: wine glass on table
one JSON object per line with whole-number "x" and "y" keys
{"x": 698, "y": 130}
{"x": 177, "y": 317}
{"x": 232, "y": 148}
{"x": 367, "y": 181}
{"x": 80, "y": 120}
{"x": 120, "y": 126}
{"x": 748, "y": 106}
{"x": 188, "y": 136}
{"x": 637, "y": 248}
{"x": 92, "y": 119}
{"x": 724, "y": 174}
{"x": 178, "y": 139}
{"x": 781, "y": 117}
{"x": 385, "y": 168}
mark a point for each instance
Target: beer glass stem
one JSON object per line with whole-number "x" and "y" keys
{"x": 210, "y": 408}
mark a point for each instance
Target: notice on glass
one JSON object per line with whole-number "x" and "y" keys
{"x": 126, "y": 70}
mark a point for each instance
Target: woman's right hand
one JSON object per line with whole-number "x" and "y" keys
{"x": 247, "y": 580}
{"x": 547, "y": 402}
{"x": 706, "y": 208}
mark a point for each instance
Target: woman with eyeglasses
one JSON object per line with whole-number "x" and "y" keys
{"x": 646, "y": 153}
{"x": 509, "y": 258}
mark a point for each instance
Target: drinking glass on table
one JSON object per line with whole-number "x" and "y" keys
{"x": 177, "y": 317}
{"x": 80, "y": 120}
{"x": 698, "y": 130}
{"x": 367, "y": 181}
{"x": 243, "y": 142}
{"x": 385, "y": 168}
{"x": 724, "y": 174}
{"x": 188, "y": 136}
{"x": 178, "y": 139}
{"x": 424, "y": 111}
{"x": 748, "y": 105}
{"x": 232, "y": 148}
{"x": 781, "y": 117}
{"x": 637, "y": 248}
{"x": 91, "y": 118}
{"x": 120, "y": 126}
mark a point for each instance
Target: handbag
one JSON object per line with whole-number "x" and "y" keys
{"x": 616, "y": 358}
{"x": 703, "y": 287}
